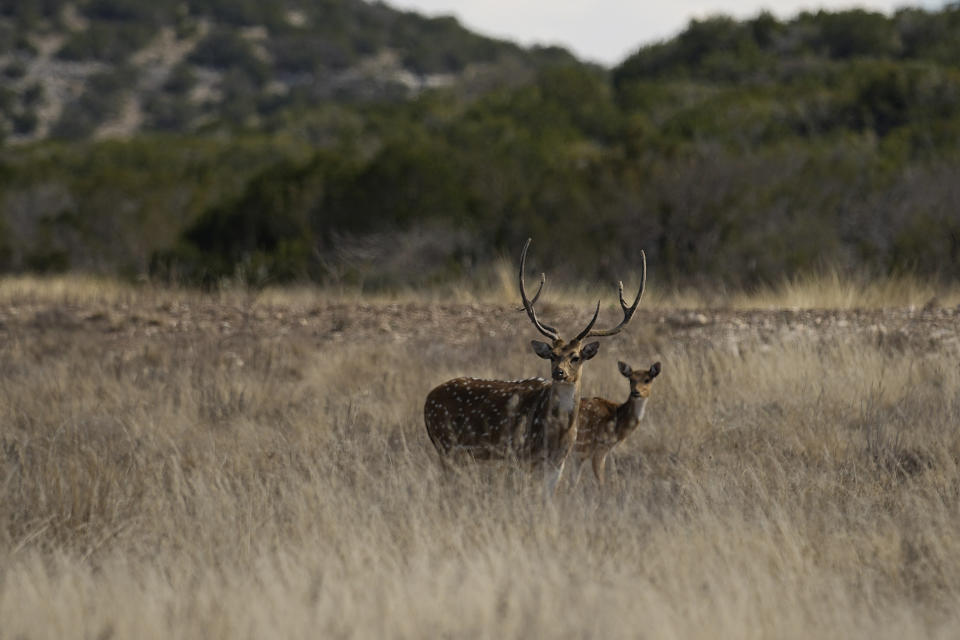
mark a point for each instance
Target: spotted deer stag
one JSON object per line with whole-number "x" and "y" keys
{"x": 533, "y": 420}
{"x": 604, "y": 424}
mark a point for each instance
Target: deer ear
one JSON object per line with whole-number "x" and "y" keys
{"x": 590, "y": 350}
{"x": 654, "y": 370}
{"x": 624, "y": 368}
{"x": 542, "y": 349}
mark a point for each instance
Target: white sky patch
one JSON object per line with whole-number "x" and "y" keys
{"x": 607, "y": 31}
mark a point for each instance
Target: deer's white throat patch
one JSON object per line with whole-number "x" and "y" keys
{"x": 563, "y": 396}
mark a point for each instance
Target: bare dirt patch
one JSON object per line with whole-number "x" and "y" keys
{"x": 456, "y": 324}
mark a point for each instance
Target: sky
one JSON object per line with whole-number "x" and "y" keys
{"x": 607, "y": 31}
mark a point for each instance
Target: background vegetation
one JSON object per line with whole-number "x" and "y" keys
{"x": 739, "y": 152}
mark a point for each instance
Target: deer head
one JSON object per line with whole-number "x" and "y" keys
{"x": 640, "y": 381}
{"x": 567, "y": 358}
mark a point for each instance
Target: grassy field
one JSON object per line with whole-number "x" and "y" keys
{"x": 248, "y": 465}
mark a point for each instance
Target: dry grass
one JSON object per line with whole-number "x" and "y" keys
{"x": 834, "y": 290}
{"x": 829, "y": 289}
{"x": 259, "y": 484}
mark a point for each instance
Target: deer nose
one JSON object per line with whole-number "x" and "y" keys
{"x": 559, "y": 374}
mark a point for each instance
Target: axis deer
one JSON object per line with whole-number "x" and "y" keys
{"x": 533, "y": 420}
{"x": 605, "y": 424}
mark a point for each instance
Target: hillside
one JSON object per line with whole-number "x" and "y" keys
{"x": 739, "y": 153}
{"x": 113, "y": 68}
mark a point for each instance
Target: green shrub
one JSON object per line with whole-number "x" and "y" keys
{"x": 108, "y": 42}
{"x": 15, "y": 70}
{"x": 225, "y": 50}
{"x": 101, "y": 101}
{"x": 25, "y": 122}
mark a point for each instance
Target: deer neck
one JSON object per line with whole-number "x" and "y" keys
{"x": 564, "y": 399}
{"x": 554, "y": 422}
{"x": 630, "y": 413}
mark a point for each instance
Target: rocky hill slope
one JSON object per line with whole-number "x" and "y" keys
{"x": 107, "y": 68}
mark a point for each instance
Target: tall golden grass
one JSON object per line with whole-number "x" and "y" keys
{"x": 828, "y": 289}
{"x": 256, "y": 484}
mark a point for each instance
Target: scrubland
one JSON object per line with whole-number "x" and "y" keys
{"x": 249, "y": 465}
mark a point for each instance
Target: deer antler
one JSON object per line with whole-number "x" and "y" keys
{"x": 627, "y": 310}
{"x": 546, "y": 330}
{"x": 586, "y": 332}
{"x": 536, "y": 296}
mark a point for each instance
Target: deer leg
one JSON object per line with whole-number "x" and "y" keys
{"x": 576, "y": 475}
{"x": 552, "y": 478}
{"x": 599, "y": 462}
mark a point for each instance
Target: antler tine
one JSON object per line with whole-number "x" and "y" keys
{"x": 546, "y": 330}
{"x": 586, "y": 331}
{"x": 536, "y": 296}
{"x": 627, "y": 310}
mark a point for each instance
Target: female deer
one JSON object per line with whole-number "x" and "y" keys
{"x": 605, "y": 424}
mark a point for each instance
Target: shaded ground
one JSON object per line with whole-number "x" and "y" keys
{"x": 454, "y": 324}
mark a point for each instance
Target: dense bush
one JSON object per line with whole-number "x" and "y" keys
{"x": 24, "y": 122}
{"x": 122, "y": 200}
{"x": 108, "y": 42}
{"x": 226, "y": 50}
{"x": 764, "y": 50}
{"x": 307, "y": 53}
{"x": 172, "y": 113}
{"x": 125, "y": 11}
{"x": 101, "y": 101}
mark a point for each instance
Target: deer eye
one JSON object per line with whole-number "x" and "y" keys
{"x": 575, "y": 359}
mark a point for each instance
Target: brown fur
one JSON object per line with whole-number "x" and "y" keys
{"x": 605, "y": 424}
{"x": 531, "y": 420}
